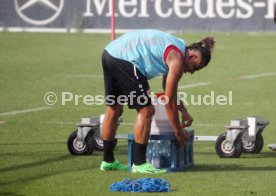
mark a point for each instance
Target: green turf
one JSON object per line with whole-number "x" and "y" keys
{"x": 34, "y": 157}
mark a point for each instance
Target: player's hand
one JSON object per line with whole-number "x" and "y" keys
{"x": 187, "y": 119}
{"x": 182, "y": 136}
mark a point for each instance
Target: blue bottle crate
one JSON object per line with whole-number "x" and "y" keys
{"x": 179, "y": 158}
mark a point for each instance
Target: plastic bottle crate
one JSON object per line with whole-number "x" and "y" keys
{"x": 179, "y": 158}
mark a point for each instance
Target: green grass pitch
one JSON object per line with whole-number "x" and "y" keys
{"x": 34, "y": 159}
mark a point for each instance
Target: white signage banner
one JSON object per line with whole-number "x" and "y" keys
{"x": 176, "y": 15}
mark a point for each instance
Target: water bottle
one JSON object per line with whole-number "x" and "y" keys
{"x": 149, "y": 151}
{"x": 156, "y": 156}
{"x": 165, "y": 153}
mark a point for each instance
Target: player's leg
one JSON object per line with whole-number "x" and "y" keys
{"x": 141, "y": 133}
{"x": 109, "y": 124}
{"x": 145, "y": 111}
{"x": 113, "y": 112}
{"x": 109, "y": 127}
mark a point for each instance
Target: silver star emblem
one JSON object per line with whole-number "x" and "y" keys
{"x": 47, "y": 3}
{"x": 23, "y": 10}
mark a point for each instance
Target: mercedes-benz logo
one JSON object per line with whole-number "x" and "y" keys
{"x": 29, "y": 10}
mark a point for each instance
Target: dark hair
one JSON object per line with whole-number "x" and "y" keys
{"x": 205, "y": 46}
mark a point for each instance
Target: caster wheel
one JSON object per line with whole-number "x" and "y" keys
{"x": 255, "y": 146}
{"x": 77, "y": 148}
{"x": 225, "y": 150}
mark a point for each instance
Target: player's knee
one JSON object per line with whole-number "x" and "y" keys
{"x": 114, "y": 112}
{"x": 147, "y": 112}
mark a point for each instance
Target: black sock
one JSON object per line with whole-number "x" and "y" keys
{"x": 108, "y": 151}
{"x": 139, "y": 153}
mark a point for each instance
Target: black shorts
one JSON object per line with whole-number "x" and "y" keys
{"x": 124, "y": 83}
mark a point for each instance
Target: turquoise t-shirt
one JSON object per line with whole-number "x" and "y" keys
{"x": 145, "y": 49}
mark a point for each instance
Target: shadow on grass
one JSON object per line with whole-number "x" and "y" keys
{"x": 228, "y": 167}
{"x": 205, "y": 153}
{"x": 31, "y": 143}
{"x": 36, "y": 163}
{"x": 120, "y": 149}
{"x": 10, "y": 194}
{"x": 260, "y": 155}
{"x": 43, "y": 173}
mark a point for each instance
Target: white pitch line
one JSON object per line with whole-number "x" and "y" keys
{"x": 23, "y": 111}
{"x": 61, "y": 123}
{"x": 74, "y": 123}
{"x": 83, "y": 76}
{"x": 194, "y": 85}
{"x": 196, "y": 125}
{"x": 206, "y": 125}
{"x": 254, "y": 76}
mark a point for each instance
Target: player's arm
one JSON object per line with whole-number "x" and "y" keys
{"x": 181, "y": 106}
{"x": 174, "y": 62}
{"x": 186, "y": 117}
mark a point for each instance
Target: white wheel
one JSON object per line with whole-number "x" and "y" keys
{"x": 225, "y": 149}
{"x": 76, "y": 147}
